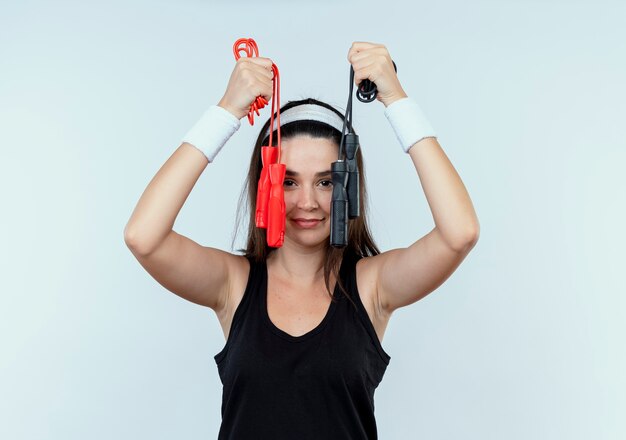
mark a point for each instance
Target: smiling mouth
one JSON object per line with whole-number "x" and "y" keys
{"x": 306, "y": 222}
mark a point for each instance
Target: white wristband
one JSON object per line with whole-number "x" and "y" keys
{"x": 212, "y": 131}
{"x": 409, "y": 122}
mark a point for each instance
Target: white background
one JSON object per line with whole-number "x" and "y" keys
{"x": 524, "y": 341}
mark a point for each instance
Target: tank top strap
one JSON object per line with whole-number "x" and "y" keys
{"x": 254, "y": 283}
{"x": 351, "y": 285}
{"x": 348, "y": 264}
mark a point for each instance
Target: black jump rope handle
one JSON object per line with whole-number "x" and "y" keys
{"x": 352, "y": 145}
{"x": 339, "y": 205}
{"x": 345, "y": 197}
{"x": 345, "y": 175}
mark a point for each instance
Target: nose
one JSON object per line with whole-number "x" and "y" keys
{"x": 307, "y": 200}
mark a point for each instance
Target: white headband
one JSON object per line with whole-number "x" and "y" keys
{"x": 309, "y": 112}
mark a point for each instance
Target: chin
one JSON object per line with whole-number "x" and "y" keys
{"x": 307, "y": 238}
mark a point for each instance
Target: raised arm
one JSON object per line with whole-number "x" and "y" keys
{"x": 405, "y": 275}
{"x": 153, "y": 218}
{"x": 197, "y": 273}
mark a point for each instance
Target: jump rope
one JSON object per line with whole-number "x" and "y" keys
{"x": 270, "y": 200}
{"x": 270, "y": 207}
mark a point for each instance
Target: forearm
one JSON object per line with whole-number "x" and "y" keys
{"x": 447, "y": 197}
{"x": 159, "y": 205}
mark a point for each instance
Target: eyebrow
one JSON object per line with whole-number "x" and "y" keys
{"x": 318, "y": 174}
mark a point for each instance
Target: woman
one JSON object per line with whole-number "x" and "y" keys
{"x": 303, "y": 322}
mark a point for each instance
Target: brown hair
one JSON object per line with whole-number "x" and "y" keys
{"x": 360, "y": 241}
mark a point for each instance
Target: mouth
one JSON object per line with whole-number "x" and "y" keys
{"x": 306, "y": 223}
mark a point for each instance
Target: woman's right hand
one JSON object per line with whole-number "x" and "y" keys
{"x": 251, "y": 77}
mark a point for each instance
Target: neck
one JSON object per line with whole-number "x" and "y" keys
{"x": 305, "y": 265}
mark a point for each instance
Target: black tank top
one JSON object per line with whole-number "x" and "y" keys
{"x": 316, "y": 386}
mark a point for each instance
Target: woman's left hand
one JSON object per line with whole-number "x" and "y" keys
{"x": 372, "y": 61}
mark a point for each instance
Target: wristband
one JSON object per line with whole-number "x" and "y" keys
{"x": 409, "y": 122}
{"x": 212, "y": 131}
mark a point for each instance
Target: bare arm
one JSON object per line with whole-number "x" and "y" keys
{"x": 199, "y": 274}
{"x": 196, "y": 273}
{"x": 406, "y": 275}
{"x": 159, "y": 205}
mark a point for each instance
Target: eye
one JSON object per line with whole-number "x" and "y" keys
{"x": 325, "y": 183}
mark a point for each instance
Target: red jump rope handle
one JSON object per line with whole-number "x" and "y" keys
{"x": 276, "y": 220}
{"x": 269, "y": 156}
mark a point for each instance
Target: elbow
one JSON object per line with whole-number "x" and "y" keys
{"x": 472, "y": 241}
{"x": 132, "y": 241}
{"x": 472, "y": 237}
{"x": 139, "y": 243}
{"x": 474, "y": 233}
{"x": 466, "y": 246}
{"x": 468, "y": 239}
{"x": 129, "y": 234}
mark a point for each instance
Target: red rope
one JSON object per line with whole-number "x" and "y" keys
{"x": 275, "y": 109}
{"x": 250, "y": 49}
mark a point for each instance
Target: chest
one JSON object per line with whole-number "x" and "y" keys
{"x": 294, "y": 311}
{"x": 298, "y": 312}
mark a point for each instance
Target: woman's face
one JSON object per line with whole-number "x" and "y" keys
{"x": 308, "y": 188}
